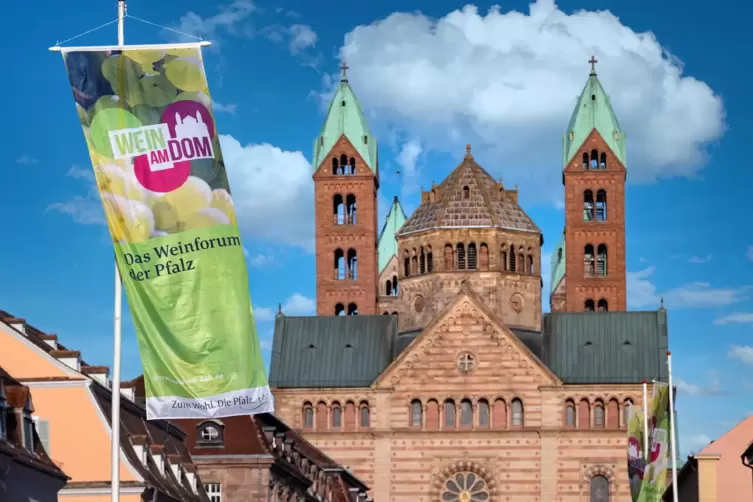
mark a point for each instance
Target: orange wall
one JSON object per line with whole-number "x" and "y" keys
{"x": 22, "y": 361}
{"x": 733, "y": 479}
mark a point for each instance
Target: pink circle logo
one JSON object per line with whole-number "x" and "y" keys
{"x": 185, "y": 134}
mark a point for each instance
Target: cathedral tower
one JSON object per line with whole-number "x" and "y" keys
{"x": 346, "y": 179}
{"x": 588, "y": 266}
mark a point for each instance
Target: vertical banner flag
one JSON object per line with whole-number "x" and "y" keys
{"x": 636, "y": 450}
{"x": 148, "y": 122}
{"x": 655, "y": 475}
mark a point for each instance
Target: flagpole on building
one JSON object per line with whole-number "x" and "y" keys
{"x": 117, "y": 337}
{"x": 673, "y": 442}
{"x": 646, "y": 440}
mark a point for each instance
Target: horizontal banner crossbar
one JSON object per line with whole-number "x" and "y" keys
{"x": 94, "y": 48}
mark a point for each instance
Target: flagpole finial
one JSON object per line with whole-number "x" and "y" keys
{"x": 669, "y": 353}
{"x": 644, "y": 381}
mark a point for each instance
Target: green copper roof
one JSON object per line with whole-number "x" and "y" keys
{"x": 558, "y": 264}
{"x": 593, "y": 111}
{"x": 387, "y": 240}
{"x": 345, "y": 117}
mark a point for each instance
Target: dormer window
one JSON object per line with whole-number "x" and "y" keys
{"x": 28, "y": 426}
{"x": 211, "y": 433}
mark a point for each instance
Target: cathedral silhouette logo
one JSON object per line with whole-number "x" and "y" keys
{"x": 190, "y": 127}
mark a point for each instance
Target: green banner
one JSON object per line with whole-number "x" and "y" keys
{"x": 636, "y": 450}
{"x": 148, "y": 122}
{"x": 655, "y": 476}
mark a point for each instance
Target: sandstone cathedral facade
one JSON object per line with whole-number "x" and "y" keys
{"x": 430, "y": 369}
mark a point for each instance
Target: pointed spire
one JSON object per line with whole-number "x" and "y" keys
{"x": 468, "y": 155}
{"x": 387, "y": 244}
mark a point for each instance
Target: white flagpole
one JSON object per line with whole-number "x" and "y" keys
{"x": 646, "y": 440}
{"x": 118, "y": 339}
{"x": 675, "y": 493}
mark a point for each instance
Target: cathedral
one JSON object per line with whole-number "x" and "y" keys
{"x": 430, "y": 370}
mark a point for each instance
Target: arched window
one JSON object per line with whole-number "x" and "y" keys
{"x": 512, "y": 259}
{"x": 414, "y": 263}
{"x": 601, "y": 260}
{"x": 603, "y": 161}
{"x": 599, "y": 414}
{"x": 352, "y": 165}
{"x": 394, "y": 313}
{"x": 210, "y": 433}
{"x": 613, "y": 414}
{"x": 344, "y": 164}
{"x": 416, "y": 412}
{"x": 429, "y": 260}
{"x": 461, "y": 256}
{"x": 588, "y": 305}
{"x": 340, "y": 265}
{"x": 529, "y": 265}
{"x": 601, "y": 205}
{"x": 365, "y": 415}
{"x": 350, "y": 209}
{"x": 472, "y": 256}
{"x": 350, "y": 416}
{"x": 483, "y": 257}
{"x": 335, "y": 166}
{"x": 499, "y": 414}
{"x": 599, "y": 489}
{"x": 448, "y": 258}
{"x": 352, "y": 264}
{"x": 308, "y": 416}
{"x": 466, "y": 193}
{"x": 626, "y": 411}
{"x": 594, "y": 159}
{"x": 588, "y": 205}
{"x": 466, "y": 413}
{"x": 336, "y": 415}
{"x": 483, "y": 413}
{"x": 517, "y": 413}
{"x": 388, "y": 288}
{"x": 339, "y": 309}
{"x": 394, "y": 285}
{"x": 339, "y": 209}
{"x": 584, "y": 414}
{"x": 585, "y": 160}
{"x": 432, "y": 415}
{"x": 588, "y": 261}
{"x": 449, "y": 414}
{"x": 603, "y": 305}
{"x": 422, "y": 262}
{"x": 570, "y": 413}
{"x": 521, "y": 263}
{"x": 352, "y": 309}
{"x": 503, "y": 258}
{"x": 406, "y": 263}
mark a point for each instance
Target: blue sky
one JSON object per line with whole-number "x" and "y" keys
{"x": 431, "y": 79}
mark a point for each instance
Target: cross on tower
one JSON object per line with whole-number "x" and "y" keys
{"x": 344, "y": 69}
{"x": 593, "y": 62}
{"x": 466, "y": 362}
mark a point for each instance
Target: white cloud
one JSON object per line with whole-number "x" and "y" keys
{"x": 230, "y": 108}
{"x": 736, "y": 318}
{"x": 296, "y": 305}
{"x": 699, "y": 259}
{"x": 228, "y": 19}
{"x": 83, "y": 209}
{"x": 260, "y": 260}
{"x": 643, "y": 293}
{"x": 301, "y": 37}
{"x": 699, "y": 441}
{"x": 273, "y": 192}
{"x": 713, "y": 386}
{"x": 743, "y": 353}
{"x": 507, "y": 83}
{"x": 25, "y": 159}
{"x": 407, "y": 158}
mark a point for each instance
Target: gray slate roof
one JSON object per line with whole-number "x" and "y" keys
{"x": 580, "y": 348}
{"x": 483, "y": 207}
